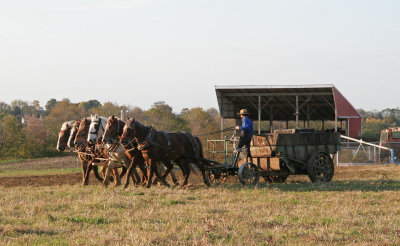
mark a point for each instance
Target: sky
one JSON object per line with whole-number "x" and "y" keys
{"x": 138, "y": 52}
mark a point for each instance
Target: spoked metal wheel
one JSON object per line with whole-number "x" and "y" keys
{"x": 217, "y": 177}
{"x": 320, "y": 167}
{"x": 248, "y": 174}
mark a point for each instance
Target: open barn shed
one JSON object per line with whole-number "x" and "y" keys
{"x": 299, "y": 103}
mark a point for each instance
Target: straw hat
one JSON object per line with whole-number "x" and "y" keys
{"x": 243, "y": 112}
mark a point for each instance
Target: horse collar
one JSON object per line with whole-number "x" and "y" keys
{"x": 146, "y": 143}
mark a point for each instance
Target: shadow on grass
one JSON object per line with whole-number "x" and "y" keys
{"x": 345, "y": 185}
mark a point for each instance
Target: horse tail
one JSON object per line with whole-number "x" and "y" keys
{"x": 201, "y": 154}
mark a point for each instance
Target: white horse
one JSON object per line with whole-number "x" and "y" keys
{"x": 66, "y": 138}
{"x": 115, "y": 155}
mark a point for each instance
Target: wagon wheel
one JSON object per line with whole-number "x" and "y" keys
{"x": 275, "y": 179}
{"x": 248, "y": 174}
{"x": 217, "y": 177}
{"x": 320, "y": 167}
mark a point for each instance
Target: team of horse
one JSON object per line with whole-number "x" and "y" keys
{"x": 112, "y": 143}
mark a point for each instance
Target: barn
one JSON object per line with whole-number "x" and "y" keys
{"x": 299, "y": 103}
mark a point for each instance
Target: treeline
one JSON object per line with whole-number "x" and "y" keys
{"x": 28, "y": 130}
{"x": 375, "y": 121}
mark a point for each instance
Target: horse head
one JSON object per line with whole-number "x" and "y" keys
{"x": 128, "y": 133}
{"x": 72, "y": 136}
{"x": 113, "y": 130}
{"x": 80, "y": 139}
{"x": 63, "y": 135}
{"x": 96, "y": 129}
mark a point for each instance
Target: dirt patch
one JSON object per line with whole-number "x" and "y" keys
{"x": 46, "y": 180}
{"x": 43, "y": 163}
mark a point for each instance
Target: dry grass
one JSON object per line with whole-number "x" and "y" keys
{"x": 361, "y": 206}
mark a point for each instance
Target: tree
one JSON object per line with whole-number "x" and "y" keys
{"x": 4, "y": 107}
{"x": 35, "y": 136}
{"x": 200, "y": 122}
{"x": 161, "y": 116}
{"x": 162, "y": 107}
{"x": 50, "y": 104}
{"x": 136, "y": 113}
{"x": 36, "y": 105}
{"x": 215, "y": 115}
{"x": 107, "y": 110}
{"x": 90, "y": 104}
{"x": 11, "y": 138}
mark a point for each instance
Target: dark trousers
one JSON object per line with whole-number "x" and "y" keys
{"x": 244, "y": 140}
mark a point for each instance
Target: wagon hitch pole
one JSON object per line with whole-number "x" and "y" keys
{"x": 373, "y": 145}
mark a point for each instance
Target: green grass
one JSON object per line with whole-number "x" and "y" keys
{"x": 11, "y": 161}
{"x": 360, "y": 207}
{"x": 219, "y": 215}
{"x": 39, "y": 172}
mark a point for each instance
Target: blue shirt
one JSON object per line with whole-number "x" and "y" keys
{"x": 247, "y": 125}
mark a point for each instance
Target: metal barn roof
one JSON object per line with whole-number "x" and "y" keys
{"x": 289, "y": 103}
{"x": 278, "y": 103}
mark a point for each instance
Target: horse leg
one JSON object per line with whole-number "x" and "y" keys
{"x": 150, "y": 172}
{"x": 107, "y": 174}
{"x": 96, "y": 174}
{"x": 129, "y": 171}
{"x": 158, "y": 174}
{"x": 138, "y": 160}
{"x": 160, "y": 169}
{"x": 117, "y": 181}
{"x": 201, "y": 166}
{"x": 185, "y": 170}
{"x": 135, "y": 177}
{"x": 84, "y": 167}
{"x": 103, "y": 170}
{"x": 173, "y": 176}
{"x": 86, "y": 176}
{"x": 169, "y": 171}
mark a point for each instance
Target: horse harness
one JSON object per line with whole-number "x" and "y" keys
{"x": 97, "y": 127}
{"x": 148, "y": 142}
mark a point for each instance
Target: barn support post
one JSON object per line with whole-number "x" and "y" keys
{"x": 337, "y": 158}
{"x": 259, "y": 115}
{"x": 222, "y": 127}
{"x": 271, "y": 121}
{"x": 297, "y": 111}
{"x": 336, "y": 124}
{"x": 308, "y": 117}
{"x": 323, "y": 125}
{"x": 336, "y": 120}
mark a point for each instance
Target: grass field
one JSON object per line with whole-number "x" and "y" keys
{"x": 360, "y": 207}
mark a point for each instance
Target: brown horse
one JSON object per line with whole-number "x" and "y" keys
{"x": 92, "y": 153}
{"x": 64, "y": 135}
{"x": 68, "y": 132}
{"x": 163, "y": 146}
{"x": 112, "y": 135}
{"x": 116, "y": 154}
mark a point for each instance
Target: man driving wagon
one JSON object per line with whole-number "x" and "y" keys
{"x": 246, "y": 132}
